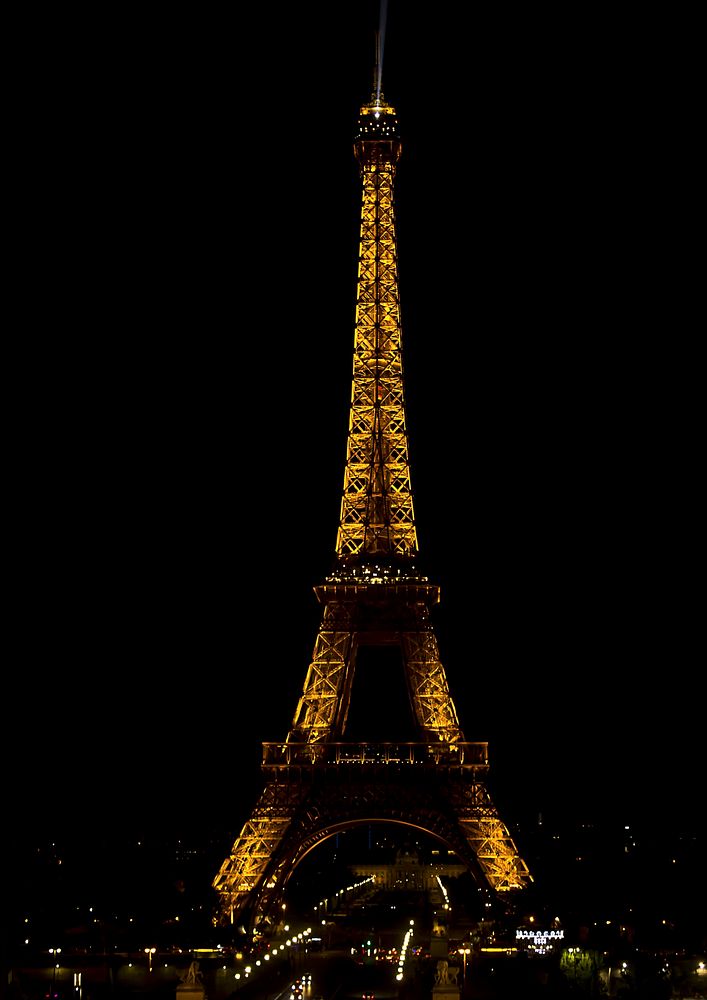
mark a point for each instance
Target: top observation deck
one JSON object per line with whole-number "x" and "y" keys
{"x": 377, "y": 139}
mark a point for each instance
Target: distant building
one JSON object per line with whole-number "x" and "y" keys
{"x": 408, "y": 872}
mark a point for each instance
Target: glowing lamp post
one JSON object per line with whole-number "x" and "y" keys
{"x": 150, "y": 952}
{"x": 464, "y": 952}
{"x": 54, "y": 952}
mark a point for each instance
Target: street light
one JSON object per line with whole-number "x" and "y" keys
{"x": 464, "y": 952}
{"x": 54, "y": 952}
{"x": 150, "y": 952}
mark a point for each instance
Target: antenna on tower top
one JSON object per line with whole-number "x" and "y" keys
{"x": 377, "y": 71}
{"x": 380, "y": 41}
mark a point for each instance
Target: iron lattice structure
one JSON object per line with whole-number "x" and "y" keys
{"x": 316, "y": 783}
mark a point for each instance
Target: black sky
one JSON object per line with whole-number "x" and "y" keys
{"x": 186, "y": 274}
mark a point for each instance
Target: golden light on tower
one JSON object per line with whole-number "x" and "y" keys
{"x": 317, "y": 780}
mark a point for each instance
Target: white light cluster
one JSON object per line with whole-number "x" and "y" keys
{"x": 444, "y": 892}
{"x": 539, "y": 937}
{"x": 403, "y": 952}
{"x": 340, "y": 892}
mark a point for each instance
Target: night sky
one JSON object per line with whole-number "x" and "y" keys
{"x": 187, "y": 272}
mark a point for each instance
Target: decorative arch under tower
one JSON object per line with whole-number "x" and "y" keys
{"x": 317, "y": 782}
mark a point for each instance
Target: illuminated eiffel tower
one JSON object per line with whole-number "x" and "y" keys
{"x": 317, "y": 783}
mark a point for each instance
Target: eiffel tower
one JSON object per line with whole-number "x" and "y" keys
{"x": 317, "y": 783}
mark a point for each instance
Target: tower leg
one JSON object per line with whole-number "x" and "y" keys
{"x": 243, "y": 876}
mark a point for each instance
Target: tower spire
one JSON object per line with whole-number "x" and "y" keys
{"x": 377, "y": 69}
{"x": 380, "y": 37}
